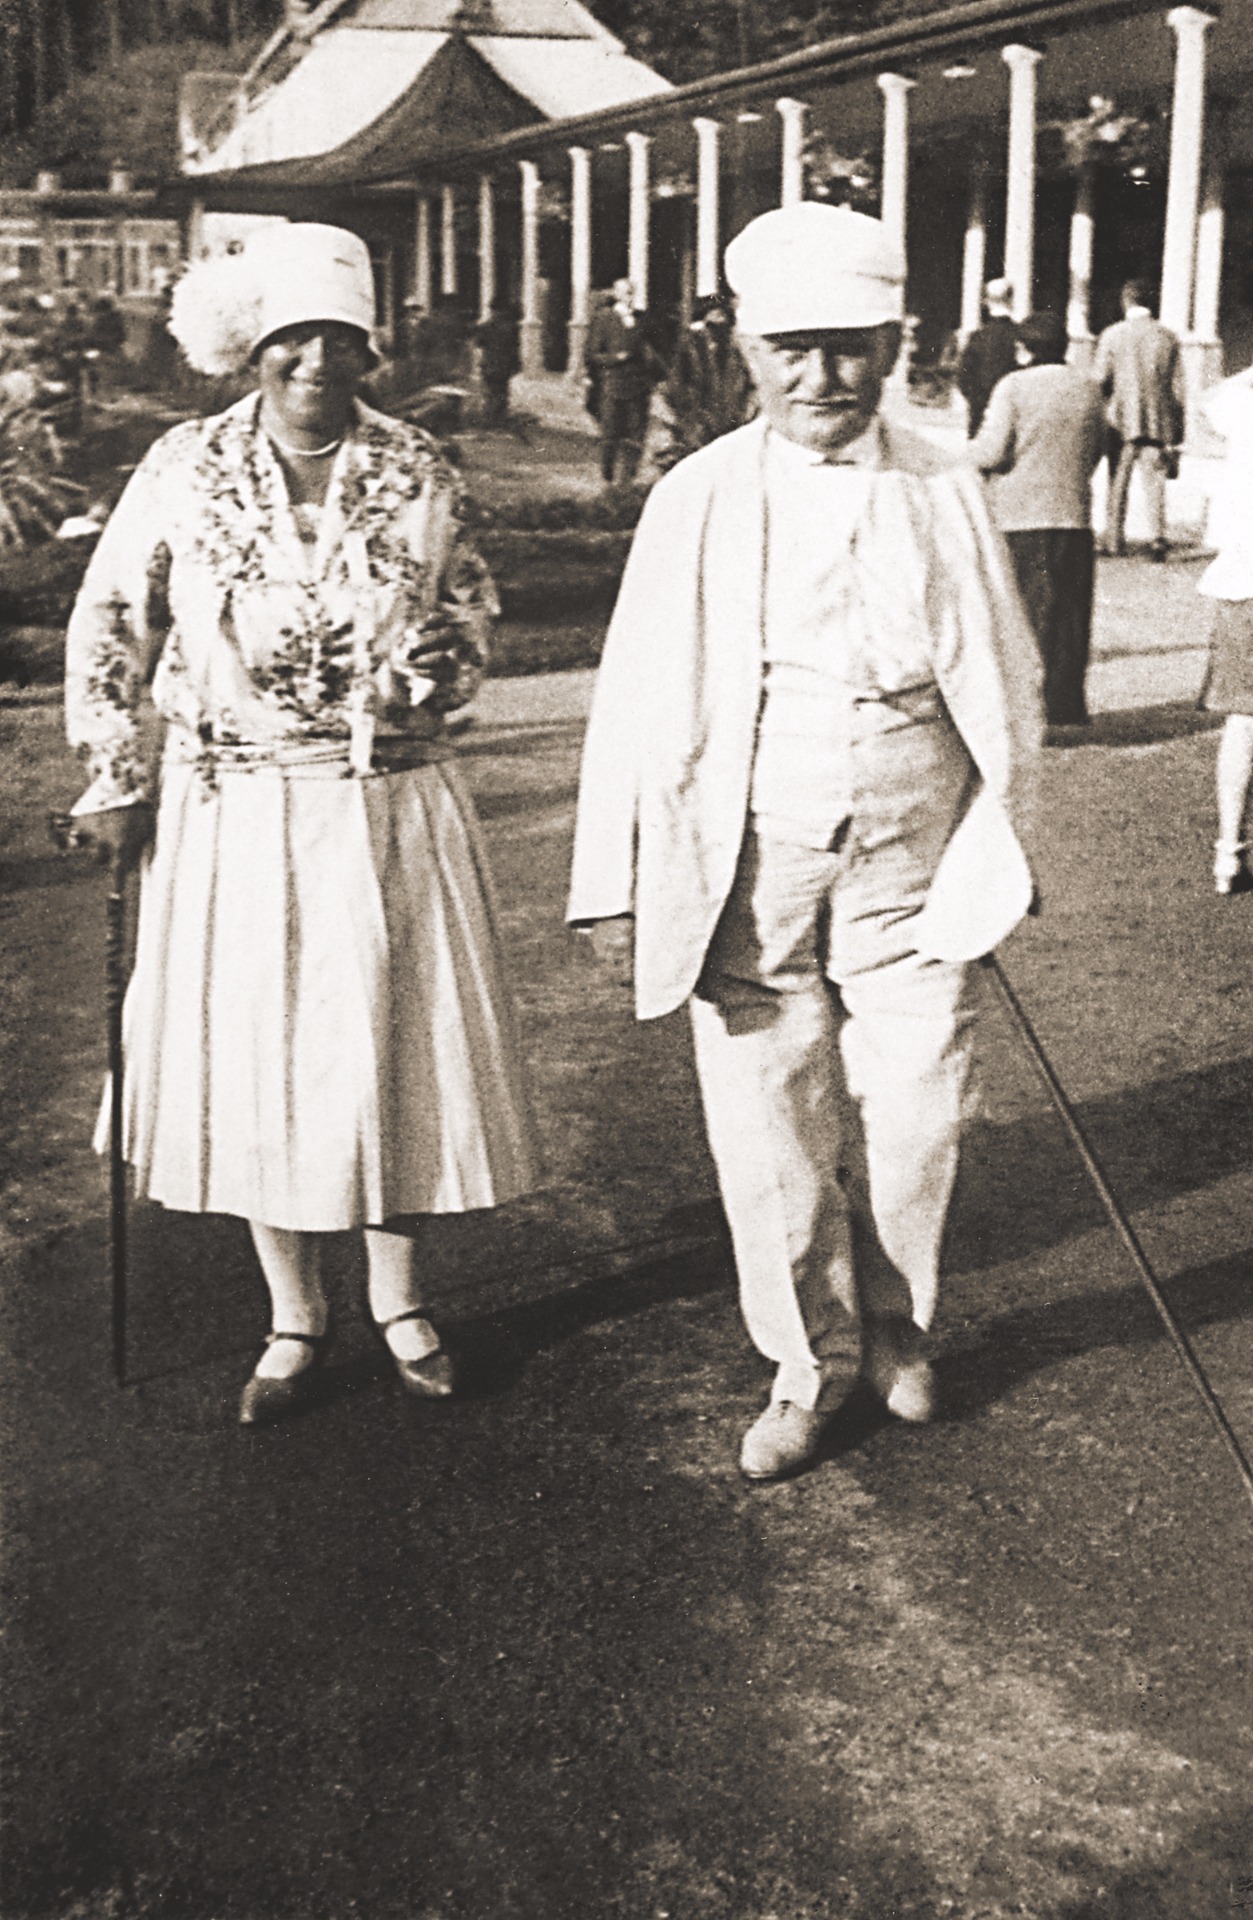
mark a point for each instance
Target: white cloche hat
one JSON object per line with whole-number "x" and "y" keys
{"x": 225, "y": 307}
{"x": 307, "y": 271}
{"x": 811, "y": 266}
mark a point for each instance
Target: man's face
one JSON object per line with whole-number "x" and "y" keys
{"x": 821, "y": 389}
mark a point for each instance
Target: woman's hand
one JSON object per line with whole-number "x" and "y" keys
{"x": 116, "y": 836}
{"x": 436, "y": 664}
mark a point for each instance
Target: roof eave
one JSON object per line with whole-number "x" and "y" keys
{"x": 912, "y": 37}
{"x": 906, "y": 39}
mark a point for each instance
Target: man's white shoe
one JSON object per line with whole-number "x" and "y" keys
{"x": 911, "y": 1395}
{"x": 781, "y": 1440}
{"x": 902, "y": 1379}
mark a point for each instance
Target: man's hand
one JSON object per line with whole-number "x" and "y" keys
{"x": 612, "y": 945}
{"x": 117, "y": 836}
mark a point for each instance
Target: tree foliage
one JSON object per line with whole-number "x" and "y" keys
{"x": 127, "y": 113}
{"x": 47, "y": 45}
{"x": 688, "y": 39}
{"x": 35, "y": 493}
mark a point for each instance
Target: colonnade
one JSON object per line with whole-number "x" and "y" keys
{"x": 1191, "y": 262}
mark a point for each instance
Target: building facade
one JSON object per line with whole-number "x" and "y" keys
{"x": 1067, "y": 144}
{"x": 88, "y": 241}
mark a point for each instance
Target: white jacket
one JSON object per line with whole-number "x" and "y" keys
{"x": 669, "y": 751}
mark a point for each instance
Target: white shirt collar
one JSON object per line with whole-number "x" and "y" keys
{"x": 865, "y": 451}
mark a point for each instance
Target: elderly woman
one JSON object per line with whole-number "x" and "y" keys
{"x": 318, "y": 1035}
{"x": 1228, "y": 582}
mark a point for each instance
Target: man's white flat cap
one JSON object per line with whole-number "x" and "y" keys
{"x": 812, "y": 266}
{"x": 307, "y": 271}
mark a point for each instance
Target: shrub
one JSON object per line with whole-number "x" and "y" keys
{"x": 615, "y": 512}
{"x": 35, "y": 494}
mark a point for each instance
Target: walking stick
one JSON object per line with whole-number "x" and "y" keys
{"x": 1118, "y": 1219}
{"x": 63, "y": 831}
{"x": 115, "y": 993}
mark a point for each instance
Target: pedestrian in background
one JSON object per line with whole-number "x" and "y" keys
{"x": 318, "y": 1034}
{"x": 707, "y": 390}
{"x": 1228, "y": 581}
{"x": 499, "y": 360}
{"x": 621, "y": 366}
{"x": 988, "y": 355}
{"x": 1040, "y": 443}
{"x": 1139, "y": 371}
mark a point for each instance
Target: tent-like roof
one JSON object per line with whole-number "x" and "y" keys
{"x": 543, "y": 19}
{"x": 551, "y": 73}
{"x": 380, "y": 87}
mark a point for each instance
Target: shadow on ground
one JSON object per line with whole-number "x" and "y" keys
{"x": 1137, "y": 726}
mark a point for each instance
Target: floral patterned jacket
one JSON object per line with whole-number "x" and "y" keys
{"x": 258, "y": 649}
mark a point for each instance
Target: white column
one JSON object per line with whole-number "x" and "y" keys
{"x": 1183, "y": 188}
{"x": 792, "y": 165}
{"x": 580, "y": 256}
{"x": 975, "y": 249}
{"x": 1205, "y": 350}
{"x": 487, "y": 246}
{"x": 707, "y": 252}
{"x": 1210, "y": 235}
{"x": 447, "y": 240}
{"x": 638, "y": 145}
{"x": 531, "y": 326}
{"x": 1079, "y": 296}
{"x": 1020, "y": 190}
{"x": 894, "y": 194}
{"x": 423, "y": 279}
{"x": 195, "y": 229}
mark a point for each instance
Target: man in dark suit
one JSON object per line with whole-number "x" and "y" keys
{"x": 620, "y": 365}
{"x": 989, "y": 354}
{"x": 497, "y": 341}
{"x": 1139, "y": 371}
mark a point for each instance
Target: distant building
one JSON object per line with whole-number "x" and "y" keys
{"x": 87, "y": 241}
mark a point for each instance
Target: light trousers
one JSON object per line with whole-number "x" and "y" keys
{"x": 833, "y": 1061}
{"x": 1151, "y": 460}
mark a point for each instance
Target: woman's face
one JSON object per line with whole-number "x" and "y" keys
{"x": 309, "y": 377}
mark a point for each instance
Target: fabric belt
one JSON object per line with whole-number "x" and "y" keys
{"x": 318, "y": 759}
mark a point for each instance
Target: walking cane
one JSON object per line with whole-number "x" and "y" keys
{"x": 115, "y": 993}
{"x": 1118, "y": 1219}
{"x": 63, "y": 832}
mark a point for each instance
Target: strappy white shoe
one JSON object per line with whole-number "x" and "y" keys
{"x": 1231, "y": 874}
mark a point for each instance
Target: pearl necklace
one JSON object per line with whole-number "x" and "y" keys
{"x": 306, "y": 453}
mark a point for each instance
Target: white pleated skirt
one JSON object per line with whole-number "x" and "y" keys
{"x": 318, "y": 1033}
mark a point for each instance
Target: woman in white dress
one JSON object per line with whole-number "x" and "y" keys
{"x": 318, "y": 1035}
{"x": 1228, "y": 582}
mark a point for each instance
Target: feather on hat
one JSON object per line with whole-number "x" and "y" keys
{"x": 223, "y": 308}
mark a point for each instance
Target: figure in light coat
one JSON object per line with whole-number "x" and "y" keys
{"x": 1138, "y": 369}
{"x": 811, "y": 748}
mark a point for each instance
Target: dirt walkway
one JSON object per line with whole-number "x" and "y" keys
{"x": 540, "y": 1655}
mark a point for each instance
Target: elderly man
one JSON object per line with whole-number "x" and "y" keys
{"x": 814, "y": 727}
{"x": 1138, "y": 369}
